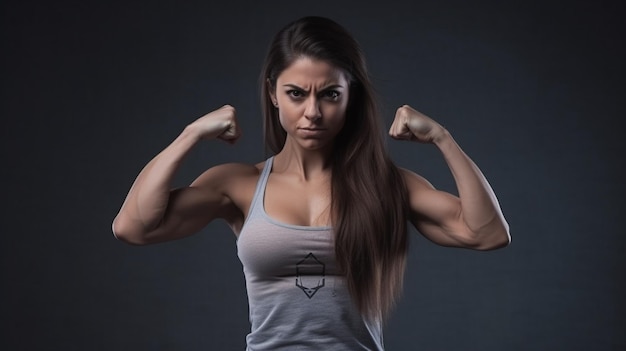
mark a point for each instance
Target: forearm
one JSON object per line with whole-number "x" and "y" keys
{"x": 479, "y": 206}
{"x": 147, "y": 200}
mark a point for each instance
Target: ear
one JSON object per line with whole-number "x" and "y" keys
{"x": 271, "y": 89}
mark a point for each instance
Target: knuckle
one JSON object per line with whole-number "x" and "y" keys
{"x": 403, "y": 111}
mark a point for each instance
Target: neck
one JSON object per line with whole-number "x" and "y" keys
{"x": 305, "y": 163}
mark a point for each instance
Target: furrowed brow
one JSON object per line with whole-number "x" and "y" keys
{"x": 333, "y": 86}
{"x": 293, "y": 86}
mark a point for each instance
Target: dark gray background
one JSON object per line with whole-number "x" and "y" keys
{"x": 533, "y": 91}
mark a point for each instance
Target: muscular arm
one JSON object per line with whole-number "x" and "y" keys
{"x": 153, "y": 212}
{"x": 474, "y": 218}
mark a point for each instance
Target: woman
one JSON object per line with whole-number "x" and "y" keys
{"x": 321, "y": 225}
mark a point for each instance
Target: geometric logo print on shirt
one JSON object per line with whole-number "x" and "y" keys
{"x": 310, "y": 275}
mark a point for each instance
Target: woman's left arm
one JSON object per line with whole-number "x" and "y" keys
{"x": 474, "y": 218}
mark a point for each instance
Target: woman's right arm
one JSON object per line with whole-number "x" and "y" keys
{"x": 152, "y": 211}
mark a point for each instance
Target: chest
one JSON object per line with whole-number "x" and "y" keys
{"x": 297, "y": 202}
{"x": 268, "y": 248}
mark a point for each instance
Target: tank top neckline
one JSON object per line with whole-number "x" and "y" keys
{"x": 260, "y": 202}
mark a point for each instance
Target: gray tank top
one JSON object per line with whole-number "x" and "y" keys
{"x": 298, "y": 299}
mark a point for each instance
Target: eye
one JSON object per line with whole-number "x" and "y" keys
{"x": 294, "y": 93}
{"x": 332, "y": 95}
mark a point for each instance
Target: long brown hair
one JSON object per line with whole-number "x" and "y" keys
{"x": 369, "y": 202}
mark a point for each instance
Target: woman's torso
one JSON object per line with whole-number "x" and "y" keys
{"x": 297, "y": 296}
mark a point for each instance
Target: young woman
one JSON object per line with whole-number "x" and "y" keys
{"x": 322, "y": 224}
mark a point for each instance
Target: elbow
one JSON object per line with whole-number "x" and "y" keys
{"x": 495, "y": 239}
{"x": 497, "y": 243}
{"x": 124, "y": 233}
{"x": 490, "y": 237}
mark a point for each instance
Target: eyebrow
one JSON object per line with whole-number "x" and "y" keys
{"x": 332, "y": 86}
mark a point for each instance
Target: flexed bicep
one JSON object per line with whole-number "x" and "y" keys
{"x": 436, "y": 214}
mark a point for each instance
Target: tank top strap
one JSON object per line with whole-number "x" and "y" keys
{"x": 259, "y": 193}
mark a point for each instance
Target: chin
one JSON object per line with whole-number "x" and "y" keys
{"x": 313, "y": 144}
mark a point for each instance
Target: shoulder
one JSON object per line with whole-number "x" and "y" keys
{"x": 235, "y": 181}
{"x": 228, "y": 173}
{"x": 424, "y": 199}
{"x": 414, "y": 181}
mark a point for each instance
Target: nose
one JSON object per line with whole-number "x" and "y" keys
{"x": 312, "y": 111}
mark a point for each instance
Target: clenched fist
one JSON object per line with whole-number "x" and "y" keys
{"x": 410, "y": 124}
{"x": 219, "y": 124}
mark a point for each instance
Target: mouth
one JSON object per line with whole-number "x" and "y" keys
{"x": 315, "y": 129}
{"x": 312, "y": 132}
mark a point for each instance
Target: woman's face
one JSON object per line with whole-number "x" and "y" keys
{"x": 312, "y": 97}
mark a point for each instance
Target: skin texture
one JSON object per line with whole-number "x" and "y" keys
{"x": 311, "y": 97}
{"x": 472, "y": 220}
